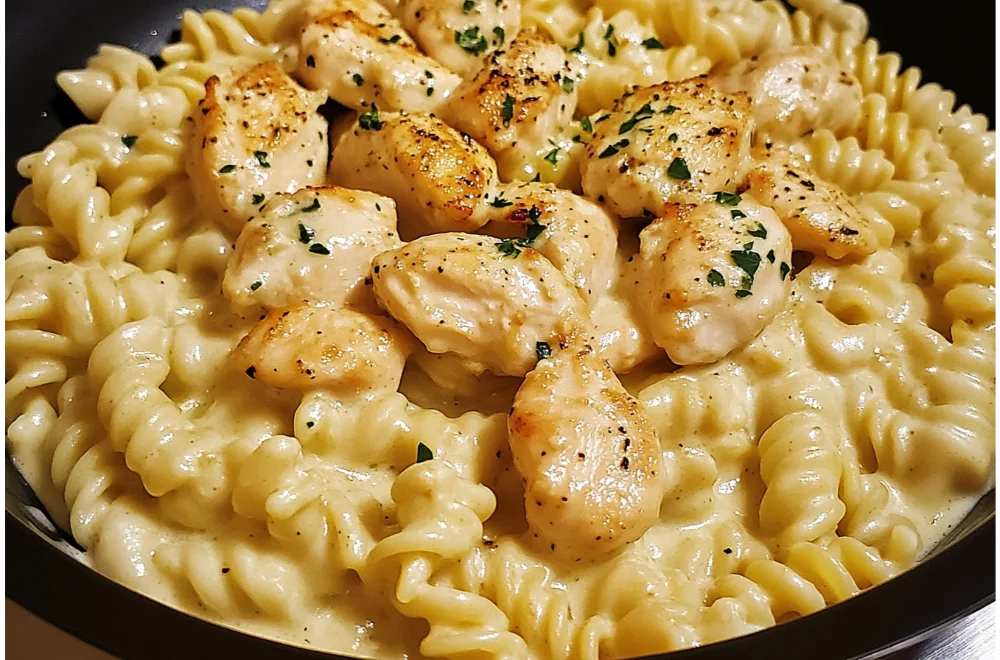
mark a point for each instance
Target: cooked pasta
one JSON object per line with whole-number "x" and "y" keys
{"x": 226, "y": 439}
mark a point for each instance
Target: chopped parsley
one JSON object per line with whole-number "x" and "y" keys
{"x": 748, "y": 261}
{"x": 378, "y": 207}
{"x": 743, "y": 293}
{"x": 256, "y": 285}
{"x": 312, "y": 207}
{"x": 261, "y": 157}
{"x": 391, "y": 40}
{"x": 306, "y": 234}
{"x": 784, "y": 270}
{"x": 672, "y": 138}
{"x": 715, "y": 278}
{"x": 311, "y": 62}
{"x": 579, "y": 45}
{"x": 737, "y": 214}
{"x": 567, "y": 84}
{"x": 612, "y": 149}
{"x": 678, "y": 169}
{"x": 542, "y": 350}
{"x": 586, "y": 125}
{"x": 553, "y": 156}
{"x": 669, "y": 110}
{"x": 424, "y": 452}
{"x": 430, "y": 91}
{"x": 609, "y": 36}
{"x": 500, "y": 202}
{"x": 535, "y": 229}
{"x": 507, "y": 111}
{"x": 129, "y": 140}
{"x": 770, "y": 256}
{"x": 809, "y": 184}
{"x": 538, "y": 177}
{"x": 369, "y": 121}
{"x": 358, "y": 79}
{"x": 310, "y": 424}
{"x": 499, "y": 34}
{"x": 251, "y": 370}
{"x": 727, "y": 198}
{"x": 471, "y": 41}
{"x": 258, "y": 198}
{"x": 759, "y": 231}
{"x": 227, "y": 169}
{"x": 468, "y": 5}
{"x": 508, "y": 247}
{"x": 428, "y": 74}
{"x": 319, "y": 248}
{"x": 652, "y": 44}
{"x": 645, "y": 112}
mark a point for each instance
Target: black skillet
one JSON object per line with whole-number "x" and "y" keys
{"x": 953, "y": 46}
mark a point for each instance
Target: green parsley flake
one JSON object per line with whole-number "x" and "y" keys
{"x": 261, "y": 157}
{"x": 508, "y": 248}
{"x": 227, "y": 169}
{"x": 430, "y": 91}
{"x": 378, "y": 207}
{"x": 358, "y": 79}
{"x": 609, "y": 36}
{"x": 129, "y": 140}
{"x": 579, "y": 45}
{"x": 471, "y": 41}
{"x": 652, "y": 44}
{"x": 500, "y": 202}
{"x": 258, "y": 198}
{"x": 535, "y": 229}
{"x": 468, "y": 5}
{"x": 306, "y": 234}
{"x": 543, "y": 350}
{"x": 256, "y": 285}
{"x": 784, "y": 269}
{"x": 727, "y": 198}
{"x": 770, "y": 256}
{"x": 311, "y": 62}
{"x": 391, "y": 40}
{"x": 748, "y": 261}
{"x": 737, "y": 214}
{"x": 507, "y": 111}
{"x": 428, "y": 74}
{"x": 672, "y": 138}
{"x": 611, "y": 150}
{"x": 743, "y": 293}
{"x": 319, "y": 248}
{"x": 310, "y": 424}
{"x": 715, "y": 278}
{"x": 586, "y": 125}
{"x": 553, "y": 156}
{"x": 499, "y": 34}
{"x": 678, "y": 169}
{"x": 424, "y": 453}
{"x": 759, "y": 231}
{"x": 645, "y": 112}
{"x": 538, "y": 177}
{"x": 567, "y": 84}
{"x": 312, "y": 207}
{"x": 669, "y": 110}
{"x": 369, "y": 121}
{"x": 809, "y": 184}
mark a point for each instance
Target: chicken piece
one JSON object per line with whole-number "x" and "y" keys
{"x": 672, "y": 142}
{"x": 591, "y": 461}
{"x": 309, "y": 347}
{"x": 486, "y": 300}
{"x": 619, "y": 334}
{"x": 576, "y": 235}
{"x": 520, "y": 100}
{"x": 257, "y": 133}
{"x": 441, "y": 179}
{"x": 316, "y": 244}
{"x": 712, "y": 276}
{"x": 795, "y": 90}
{"x": 818, "y": 214}
{"x": 458, "y": 33}
{"x": 362, "y": 56}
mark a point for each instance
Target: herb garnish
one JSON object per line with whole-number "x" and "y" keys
{"x": 499, "y": 34}
{"x": 306, "y": 234}
{"x": 129, "y": 140}
{"x": 369, "y": 121}
{"x": 645, "y": 112}
{"x": 256, "y": 285}
{"x": 258, "y": 198}
{"x": 715, "y": 278}
{"x": 743, "y": 293}
{"x": 579, "y": 45}
{"x": 468, "y": 5}
{"x": 652, "y": 44}
{"x": 672, "y": 138}
{"x": 553, "y": 156}
{"x": 809, "y": 184}
{"x": 609, "y": 36}
{"x": 770, "y": 256}
{"x": 312, "y": 207}
{"x": 311, "y": 62}
{"x": 737, "y": 214}
{"x": 261, "y": 157}
{"x": 727, "y": 198}
{"x": 759, "y": 231}
{"x": 567, "y": 84}
{"x": 226, "y": 169}
{"x": 748, "y": 261}
{"x": 586, "y": 125}
{"x": 678, "y": 169}
{"x": 391, "y": 40}
{"x": 611, "y": 150}
{"x": 507, "y": 111}
{"x": 500, "y": 202}
{"x": 542, "y": 350}
{"x": 471, "y": 41}
{"x": 358, "y": 79}
{"x": 669, "y": 110}
{"x": 319, "y": 248}
{"x": 508, "y": 248}
{"x": 784, "y": 269}
{"x": 424, "y": 452}
{"x": 535, "y": 229}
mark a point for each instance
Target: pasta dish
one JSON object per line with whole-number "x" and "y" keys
{"x": 506, "y": 328}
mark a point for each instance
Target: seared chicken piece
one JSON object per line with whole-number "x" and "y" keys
{"x": 590, "y": 459}
{"x": 520, "y": 100}
{"x": 316, "y": 244}
{"x": 795, "y": 90}
{"x": 442, "y": 180}
{"x": 576, "y": 235}
{"x": 484, "y": 299}
{"x": 362, "y": 56}
{"x": 255, "y": 133}
{"x": 712, "y": 276}
{"x": 818, "y": 214}
{"x": 458, "y": 33}
{"x": 672, "y": 142}
{"x": 619, "y": 334}
{"x": 307, "y": 346}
